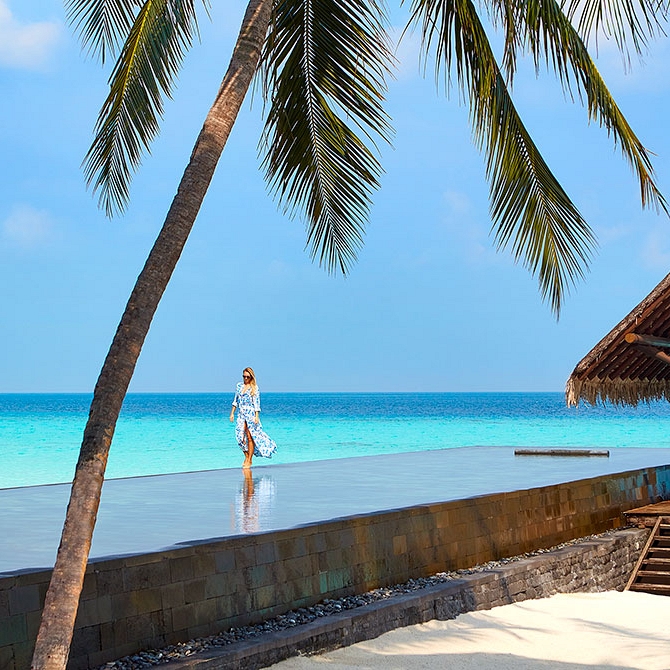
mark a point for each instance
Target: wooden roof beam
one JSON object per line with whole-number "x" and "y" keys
{"x": 654, "y": 353}
{"x": 649, "y": 340}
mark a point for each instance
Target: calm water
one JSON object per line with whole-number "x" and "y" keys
{"x": 160, "y": 433}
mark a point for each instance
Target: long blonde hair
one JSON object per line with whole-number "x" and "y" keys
{"x": 253, "y": 386}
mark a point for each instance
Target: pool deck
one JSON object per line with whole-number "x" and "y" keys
{"x": 144, "y": 514}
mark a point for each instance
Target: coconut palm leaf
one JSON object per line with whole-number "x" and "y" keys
{"x": 159, "y": 37}
{"x": 626, "y": 21}
{"x": 103, "y": 25}
{"x": 325, "y": 66}
{"x": 552, "y": 37}
{"x": 530, "y": 210}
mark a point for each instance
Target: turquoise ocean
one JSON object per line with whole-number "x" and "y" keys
{"x": 40, "y": 434}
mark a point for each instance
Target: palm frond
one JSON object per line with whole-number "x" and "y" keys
{"x": 552, "y": 38}
{"x": 531, "y": 212}
{"x": 145, "y": 71}
{"x": 325, "y": 67}
{"x": 629, "y": 22}
{"x": 508, "y": 15}
{"x": 102, "y": 24}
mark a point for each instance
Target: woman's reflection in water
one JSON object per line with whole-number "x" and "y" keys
{"x": 253, "y": 502}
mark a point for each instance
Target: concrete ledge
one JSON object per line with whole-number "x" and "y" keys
{"x": 600, "y": 564}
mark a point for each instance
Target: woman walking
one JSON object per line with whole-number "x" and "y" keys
{"x": 250, "y": 436}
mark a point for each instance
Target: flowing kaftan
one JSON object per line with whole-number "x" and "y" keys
{"x": 247, "y": 406}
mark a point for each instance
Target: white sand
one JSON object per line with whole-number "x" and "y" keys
{"x": 603, "y": 631}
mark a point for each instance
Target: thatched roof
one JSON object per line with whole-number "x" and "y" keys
{"x": 631, "y": 364}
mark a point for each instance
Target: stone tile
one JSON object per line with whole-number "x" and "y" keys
{"x": 217, "y": 586}
{"x": 33, "y": 577}
{"x": 291, "y": 548}
{"x": 94, "y": 611}
{"x": 4, "y": 600}
{"x": 194, "y": 590}
{"x": 224, "y": 560}
{"x": 84, "y": 641}
{"x": 109, "y": 582}
{"x": 300, "y": 588}
{"x": 135, "y": 602}
{"x": 90, "y": 587}
{"x": 182, "y": 617}
{"x": 181, "y": 569}
{"x": 23, "y": 654}
{"x": 338, "y": 579}
{"x": 172, "y": 595}
{"x": 120, "y": 631}
{"x": 297, "y": 567}
{"x": 147, "y": 629}
{"x": 260, "y": 575}
{"x": 245, "y": 557}
{"x": 400, "y": 544}
{"x": 266, "y": 553}
{"x": 33, "y": 620}
{"x": 24, "y": 599}
{"x": 204, "y": 612}
{"x": 225, "y": 608}
{"x": 7, "y": 659}
{"x": 13, "y": 630}
{"x": 204, "y": 564}
{"x": 263, "y": 598}
{"x": 107, "y": 639}
{"x": 316, "y": 542}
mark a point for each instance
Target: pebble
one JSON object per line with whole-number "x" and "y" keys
{"x": 303, "y": 615}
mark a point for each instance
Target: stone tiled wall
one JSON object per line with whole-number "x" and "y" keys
{"x": 131, "y": 603}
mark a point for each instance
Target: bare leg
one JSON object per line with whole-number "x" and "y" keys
{"x": 251, "y": 446}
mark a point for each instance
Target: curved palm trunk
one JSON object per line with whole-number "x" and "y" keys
{"x": 62, "y": 598}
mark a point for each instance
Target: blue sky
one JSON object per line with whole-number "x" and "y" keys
{"x": 430, "y": 305}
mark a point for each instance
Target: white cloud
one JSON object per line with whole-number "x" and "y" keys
{"x": 26, "y": 227}
{"x": 26, "y": 46}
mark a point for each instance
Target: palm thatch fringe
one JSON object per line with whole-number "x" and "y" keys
{"x": 616, "y": 391}
{"x": 616, "y": 371}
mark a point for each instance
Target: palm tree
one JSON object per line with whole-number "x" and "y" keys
{"x": 323, "y": 66}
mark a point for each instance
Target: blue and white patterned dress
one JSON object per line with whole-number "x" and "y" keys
{"x": 247, "y": 406}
